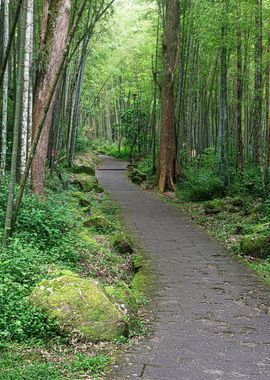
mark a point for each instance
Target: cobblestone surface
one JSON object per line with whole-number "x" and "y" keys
{"x": 212, "y": 315}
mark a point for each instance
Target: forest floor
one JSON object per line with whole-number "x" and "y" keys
{"x": 212, "y": 312}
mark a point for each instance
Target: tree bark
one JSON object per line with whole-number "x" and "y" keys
{"x": 54, "y": 35}
{"x": 167, "y": 160}
{"x": 5, "y": 5}
{"x": 257, "y": 115}
{"x": 26, "y": 83}
{"x": 240, "y": 158}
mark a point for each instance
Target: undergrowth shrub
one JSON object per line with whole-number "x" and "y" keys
{"x": 201, "y": 186}
{"x": 44, "y": 235}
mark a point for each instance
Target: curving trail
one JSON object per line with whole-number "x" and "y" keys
{"x": 212, "y": 316}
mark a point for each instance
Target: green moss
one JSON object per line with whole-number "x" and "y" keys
{"x": 98, "y": 222}
{"x": 138, "y": 261}
{"x": 256, "y": 245}
{"x": 124, "y": 297}
{"x": 236, "y": 201}
{"x": 122, "y": 243}
{"x": 83, "y": 170}
{"x": 86, "y": 237}
{"x": 80, "y": 306}
{"x": 262, "y": 228}
{"x": 214, "y": 207}
{"x": 140, "y": 284}
{"x": 87, "y": 183}
{"x": 84, "y": 201}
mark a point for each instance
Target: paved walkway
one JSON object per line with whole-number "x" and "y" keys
{"x": 212, "y": 312}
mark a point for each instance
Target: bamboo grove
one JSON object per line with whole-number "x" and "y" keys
{"x": 174, "y": 81}
{"x": 43, "y": 52}
{"x": 220, "y": 85}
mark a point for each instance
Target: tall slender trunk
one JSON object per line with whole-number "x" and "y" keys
{"x": 16, "y": 134}
{"x": 26, "y": 83}
{"x": 240, "y": 158}
{"x": 257, "y": 114}
{"x": 167, "y": 161}
{"x": 267, "y": 114}
{"x": 223, "y": 108}
{"x": 5, "y": 6}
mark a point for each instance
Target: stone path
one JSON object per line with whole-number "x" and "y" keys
{"x": 212, "y": 318}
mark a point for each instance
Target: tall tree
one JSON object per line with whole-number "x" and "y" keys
{"x": 258, "y": 93}
{"x": 5, "y": 7}
{"x": 26, "y": 97}
{"x": 167, "y": 159}
{"x": 54, "y": 34}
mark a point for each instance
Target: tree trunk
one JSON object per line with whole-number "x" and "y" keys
{"x": 167, "y": 160}
{"x": 5, "y": 6}
{"x": 257, "y": 115}
{"x": 267, "y": 114}
{"x": 26, "y": 83}
{"x": 240, "y": 159}
{"x": 16, "y": 135}
{"x": 54, "y": 35}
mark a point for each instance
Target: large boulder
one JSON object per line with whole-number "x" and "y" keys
{"x": 88, "y": 183}
{"x": 84, "y": 201}
{"x": 83, "y": 170}
{"x": 81, "y": 306}
{"x": 214, "y": 207}
{"x": 122, "y": 243}
{"x": 137, "y": 177}
{"x": 256, "y": 245}
{"x": 98, "y": 222}
{"x": 125, "y": 299}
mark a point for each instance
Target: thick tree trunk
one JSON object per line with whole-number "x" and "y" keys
{"x": 54, "y": 35}
{"x": 167, "y": 161}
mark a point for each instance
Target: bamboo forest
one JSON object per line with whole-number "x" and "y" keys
{"x": 134, "y": 189}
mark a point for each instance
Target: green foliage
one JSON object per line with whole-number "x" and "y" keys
{"x": 201, "y": 186}
{"x": 43, "y": 236}
{"x": 111, "y": 149}
{"x": 25, "y": 363}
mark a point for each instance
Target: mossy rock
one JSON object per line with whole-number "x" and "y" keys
{"x": 262, "y": 228}
{"x": 87, "y": 238}
{"x": 140, "y": 285}
{"x": 87, "y": 183}
{"x": 83, "y": 170}
{"x": 232, "y": 209}
{"x": 137, "y": 180}
{"x": 256, "y": 245}
{"x": 81, "y": 306}
{"x": 124, "y": 297}
{"x": 236, "y": 201}
{"x": 214, "y": 207}
{"x": 122, "y": 243}
{"x": 138, "y": 261}
{"x": 137, "y": 177}
{"x": 98, "y": 222}
{"x": 84, "y": 201}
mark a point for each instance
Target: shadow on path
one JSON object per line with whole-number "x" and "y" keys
{"x": 212, "y": 312}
